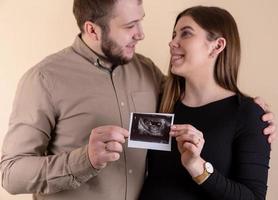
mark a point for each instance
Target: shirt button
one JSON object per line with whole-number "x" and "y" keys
{"x": 130, "y": 171}
{"x": 122, "y": 103}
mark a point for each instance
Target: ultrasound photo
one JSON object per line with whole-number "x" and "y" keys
{"x": 150, "y": 130}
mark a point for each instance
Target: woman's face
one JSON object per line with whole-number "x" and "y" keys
{"x": 190, "y": 50}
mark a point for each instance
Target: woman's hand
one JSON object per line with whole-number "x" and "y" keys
{"x": 190, "y": 143}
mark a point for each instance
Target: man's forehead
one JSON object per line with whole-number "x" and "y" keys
{"x": 126, "y": 11}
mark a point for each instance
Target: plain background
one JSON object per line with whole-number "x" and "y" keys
{"x": 32, "y": 29}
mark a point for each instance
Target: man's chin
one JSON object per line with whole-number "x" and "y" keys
{"x": 126, "y": 59}
{"x": 123, "y": 60}
{"x": 120, "y": 60}
{"x": 130, "y": 56}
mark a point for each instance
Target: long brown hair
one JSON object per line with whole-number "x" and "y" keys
{"x": 217, "y": 22}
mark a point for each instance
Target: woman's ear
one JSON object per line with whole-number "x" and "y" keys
{"x": 92, "y": 30}
{"x": 218, "y": 46}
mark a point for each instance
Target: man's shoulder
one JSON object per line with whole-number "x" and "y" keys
{"x": 51, "y": 61}
{"x": 141, "y": 57}
{"x": 147, "y": 66}
{"x": 50, "y": 64}
{"x": 144, "y": 60}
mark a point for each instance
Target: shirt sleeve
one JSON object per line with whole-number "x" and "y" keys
{"x": 250, "y": 162}
{"x": 25, "y": 163}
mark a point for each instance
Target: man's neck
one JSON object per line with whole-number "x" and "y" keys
{"x": 96, "y": 49}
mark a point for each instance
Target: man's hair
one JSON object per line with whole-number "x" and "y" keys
{"x": 96, "y": 11}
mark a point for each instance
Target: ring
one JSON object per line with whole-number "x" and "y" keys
{"x": 106, "y": 147}
{"x": 199, "y": 140}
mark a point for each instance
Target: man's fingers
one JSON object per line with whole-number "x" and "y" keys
{"x": 102, "y": 160}
{"x": 105, "y": 145}
{"x": 270, "y": 130}
{"x": 110, "y": 157}
{"x": 111, "y": 129}
{"x": 113, "y": 147}
{"x": 262, "y": 103}
{"x": 113, "y": 136}
{"x": 110, "y": 133}
{"x": 268, "y": 117}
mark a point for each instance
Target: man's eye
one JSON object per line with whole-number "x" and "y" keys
{"x": 130, "y": 27}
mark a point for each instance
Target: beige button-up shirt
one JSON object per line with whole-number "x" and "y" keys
{"x": 57, "y": 104}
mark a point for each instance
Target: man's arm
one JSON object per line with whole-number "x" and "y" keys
{"x": 27, "y": 165}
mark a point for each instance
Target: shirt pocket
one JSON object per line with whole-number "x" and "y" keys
{"x": 145, "y": 101}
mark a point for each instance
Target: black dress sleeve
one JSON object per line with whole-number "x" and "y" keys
{"x": 250, "y": 164}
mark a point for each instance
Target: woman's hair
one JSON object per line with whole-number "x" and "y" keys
{"x": 217, "y": 22}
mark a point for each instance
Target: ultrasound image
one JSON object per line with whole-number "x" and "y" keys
{"x": 151, "y": 128}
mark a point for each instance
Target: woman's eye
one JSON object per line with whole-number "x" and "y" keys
{"x": 185, "y": 34}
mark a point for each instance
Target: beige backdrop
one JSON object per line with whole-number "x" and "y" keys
{"x": 32, "y": 29}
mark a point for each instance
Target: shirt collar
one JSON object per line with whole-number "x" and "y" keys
{"x": 81, "y": 48}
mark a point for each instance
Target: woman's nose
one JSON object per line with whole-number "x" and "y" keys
{"x": 173, "y": 43}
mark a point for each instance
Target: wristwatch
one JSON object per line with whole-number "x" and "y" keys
{"x": 208, "y": 170}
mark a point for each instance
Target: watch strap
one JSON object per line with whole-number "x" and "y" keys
{"x": 202, "y": 177}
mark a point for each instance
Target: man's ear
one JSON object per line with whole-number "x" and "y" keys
{"x": 218, "y": 46}
{"x": 92, "y": 30}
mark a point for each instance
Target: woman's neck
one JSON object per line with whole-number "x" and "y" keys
{"x": 202, "y": 92}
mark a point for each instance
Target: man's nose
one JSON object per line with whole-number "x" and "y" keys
{"x": 140, "y": 33}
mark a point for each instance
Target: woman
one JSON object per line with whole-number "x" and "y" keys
{"x": 219, "y": 151}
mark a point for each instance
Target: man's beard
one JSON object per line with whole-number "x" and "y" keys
{"x": 112, "y": 51}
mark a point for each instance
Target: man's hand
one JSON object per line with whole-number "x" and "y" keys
{"x": 105, "y": 145}
{"x": 269, "y": 117}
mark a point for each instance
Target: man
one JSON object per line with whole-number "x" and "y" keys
{"x": 66, "y": 138}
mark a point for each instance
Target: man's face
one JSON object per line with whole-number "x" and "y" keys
{"x": 118, "y": 44}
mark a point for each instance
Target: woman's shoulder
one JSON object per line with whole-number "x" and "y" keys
{"x": 249, "y": 111}
{"x": 250, "y": 126}
{"x": 247, "y": 105}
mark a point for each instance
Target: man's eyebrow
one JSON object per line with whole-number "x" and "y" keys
{"x": 134, "y": 21}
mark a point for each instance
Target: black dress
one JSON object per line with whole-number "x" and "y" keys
{"x": 234, "y": 144}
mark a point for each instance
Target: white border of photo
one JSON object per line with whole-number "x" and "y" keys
{"x": 149, "y": 145}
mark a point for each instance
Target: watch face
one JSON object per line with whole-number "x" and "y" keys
{"x": 209, "y": 167}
